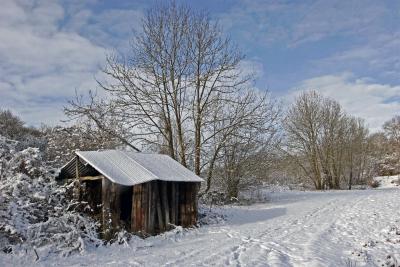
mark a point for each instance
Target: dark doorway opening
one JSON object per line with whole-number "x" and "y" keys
{"x": 126, "y": 206}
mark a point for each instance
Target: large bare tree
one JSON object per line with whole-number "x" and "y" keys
{"x": 180, "y": 90}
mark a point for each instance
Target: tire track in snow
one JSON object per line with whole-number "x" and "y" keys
{"x": 318, "y": 241}
{"x": 234, "y": 244}
{"x": 293, "y": 240}
{"x": 277, "y": 255}
{"x": 234, "y": 255}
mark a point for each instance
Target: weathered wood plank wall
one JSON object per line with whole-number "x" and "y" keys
{"x": 157, "y": 205}
{"x": 111, "y": 208}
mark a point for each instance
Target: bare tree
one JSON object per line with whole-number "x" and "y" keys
{"x": 303, "y": 125}
{"x": 237, "y": 134}
{"x": 392, "y": 130}
{"x": 61, "y": 142}
{"x": 330, "y": 147}
{"x": 11, "y": 126}
{"x": 357, "y": 152}
{"x": 216, "y": 76}
{"x": 179, "y": 91}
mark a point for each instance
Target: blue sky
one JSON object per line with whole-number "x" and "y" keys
{"x": 348, "y": 50}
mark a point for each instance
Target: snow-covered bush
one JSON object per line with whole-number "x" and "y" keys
{"x": 35, "y": 212}
{"x": 389, "y": 165}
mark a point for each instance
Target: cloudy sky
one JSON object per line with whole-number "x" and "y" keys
{"x": 348, "y": 50}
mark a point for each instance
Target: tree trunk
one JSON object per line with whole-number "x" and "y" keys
{"x": 350, "y": 179}
{"x": 197, "y": 149}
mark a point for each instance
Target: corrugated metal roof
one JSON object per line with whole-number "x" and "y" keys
{"x": 130, "y": 168}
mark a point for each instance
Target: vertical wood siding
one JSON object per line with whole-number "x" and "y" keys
{"x": 157, "y": 205}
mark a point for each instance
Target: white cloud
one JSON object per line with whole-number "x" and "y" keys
{"x": 45, "y": 55}
{"x": 334, "y": 36}
{"x": 322, "y": 19}
{"x": 268, "y": 20}
{"x": 111, "y": 27}
{"x": 361, "y": 97}
{"x": 379, "y": 56}
{"x": 252, "y": 67}
{"x": 47, "y": 50}
{"x": 296, "y": 23}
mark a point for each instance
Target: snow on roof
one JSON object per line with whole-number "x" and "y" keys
{"x": 130, "y": 168}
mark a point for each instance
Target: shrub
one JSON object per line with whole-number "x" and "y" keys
{"x": 35, "y": 212}
{"x": 373, "y": 183}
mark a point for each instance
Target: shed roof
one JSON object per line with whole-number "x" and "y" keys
{"x": 130, "y": 168}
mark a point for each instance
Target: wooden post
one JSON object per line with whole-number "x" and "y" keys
{"x": 189, "y": 204}
{"x": 145, "y": 209}
{"x": 138, "y": 209}
{"x": 151, "y": 207}
{"x": 134, "y": 219}
{"x": 164, "y": 197}
{"x": 182, "y": 203}
{"x": 177, "y": 203}
{"x": 107, "y": 220}
{"x": 173, "y": 207}
{"x": 111, "y": 197}
{"x": 158, "y": 195}
{"x": 77, "y": 184}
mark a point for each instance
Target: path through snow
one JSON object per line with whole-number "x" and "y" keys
{"x": 335, "y": 228}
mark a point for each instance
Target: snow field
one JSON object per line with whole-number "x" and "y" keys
{"x": 335, "y": 228}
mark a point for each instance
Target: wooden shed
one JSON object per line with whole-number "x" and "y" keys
{"x": 143, "y": 193}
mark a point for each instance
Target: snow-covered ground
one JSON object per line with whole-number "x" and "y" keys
{"x": 388, "y": 181}
{"x": 335, "y": 228}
